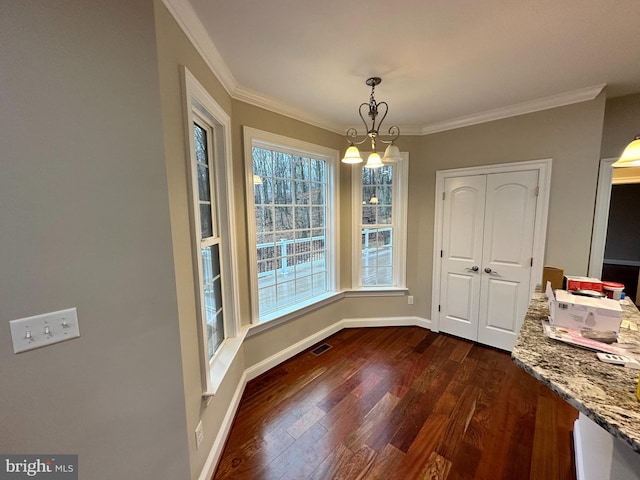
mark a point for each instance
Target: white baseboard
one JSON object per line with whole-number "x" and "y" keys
{"x": 218, "y": 444}
{"x": 386, "y": 322}
{"x": 268, "y": 363}
{"x": 274, "y": 360}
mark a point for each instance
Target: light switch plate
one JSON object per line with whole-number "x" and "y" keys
{"x": 42, "y": 330}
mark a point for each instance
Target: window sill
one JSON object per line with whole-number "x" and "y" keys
{"x": 223, "y": 359}
{"x": 377, "y": 292}
{"x": 294, "y": 311}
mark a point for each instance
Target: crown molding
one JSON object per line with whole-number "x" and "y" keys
{"x": 188, "y": 20}
{"x": 259, "y": 100}
{"x": 545, "y": 103}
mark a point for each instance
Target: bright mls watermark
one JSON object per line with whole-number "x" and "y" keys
{"x": 39, "y": 467}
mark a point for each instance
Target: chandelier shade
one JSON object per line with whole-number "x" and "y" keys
{"x": 374, "y": 160}
{"x": 352, "y": 155}
{"x": 392, "y": 153}
{"x": 631, "y": 155}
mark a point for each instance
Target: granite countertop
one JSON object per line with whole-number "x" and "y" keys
{"x": 605, "y": 393}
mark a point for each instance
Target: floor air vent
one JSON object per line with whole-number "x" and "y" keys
{"x": 321, "y": 349}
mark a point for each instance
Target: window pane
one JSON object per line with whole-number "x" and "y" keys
{"x": 385, "y": 175}
{"x": 368, "y": 193}
{"x": 303, "y": 234}
{"x": 203, "y": 183}
{"x": 262, "y": 165}
{"x": 264, "y": 219}
{"x": 212, "y": 290}
{"x": 303, "y": 217}
{"x": 283, "y": 194}
{"x": 285, "y": 292}
{"x": 368, "y": 215}
{"x": 303, "y": 258}
{"x": 317, "y": 217}
{"x": 318, "y": 171}
{"x": 265, "y": 238}
{"x": 385, "y": 276}
{"x": 319, "y": 282}
{"x": 282, "y": 165}
{"x": 266, "y": 251}
{"x": 215, "y": 253}
{"x": 267, "y": 300}
{"x": 284, "y": 218}
{"x": 384, "y": 195}
{"x": 267, "y": 272}
{"x": 206, "y": 227}
{"x": 263, "y": 192}
{"x": 377, "y": 257}
{"x": 318, "y": 193}
{"x": 302, "y": 195}
{"x": 384, "y": 215}
{"x": 301, "y": 168}
{"x": 219, "y": 330}
{"x": 200, "y": 143}
{"x": 294, "y": 258}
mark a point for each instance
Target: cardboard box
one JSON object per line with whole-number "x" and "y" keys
{"x": 583, "y": 313}
{"x": 581, "y": 283}
{"x": 555, "y": 275}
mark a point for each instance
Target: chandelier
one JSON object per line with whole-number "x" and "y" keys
{"x": 392, "y": 153}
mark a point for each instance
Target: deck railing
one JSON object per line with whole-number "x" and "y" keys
{"x": 286, "y": 253}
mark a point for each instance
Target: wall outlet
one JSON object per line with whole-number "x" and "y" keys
{"x": 199, "y": 434}
{"x": 410, "y": 299}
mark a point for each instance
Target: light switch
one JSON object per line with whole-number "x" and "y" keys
{"x": 42, "y": 330}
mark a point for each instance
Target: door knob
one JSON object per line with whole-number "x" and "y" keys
{"x": 474, "y": 268}
{"x": 487, "y": 270}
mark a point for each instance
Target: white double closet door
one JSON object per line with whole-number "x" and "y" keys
{"x": 487, "y": 255}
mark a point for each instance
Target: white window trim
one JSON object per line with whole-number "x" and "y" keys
{"x": 197, "y": 99}
{"x": 400, "y": 201}
{"x": 254, "y": 136}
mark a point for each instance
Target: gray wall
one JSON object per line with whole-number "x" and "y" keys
{"x": 621, "y": 124}
{"x": 569, "y": 135}
{"x": 85, "y": 223}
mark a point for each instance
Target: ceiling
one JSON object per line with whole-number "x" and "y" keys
{"x": 443, "y": 63}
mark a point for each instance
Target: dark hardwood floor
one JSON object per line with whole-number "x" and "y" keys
{"x": 399, "y": 403}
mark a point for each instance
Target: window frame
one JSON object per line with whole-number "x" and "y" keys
{"x": 200, "y": 107}
{"x": 399, "y": 225}
{"x": 215, "y": 239}
{"x": 262, "y": 139}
